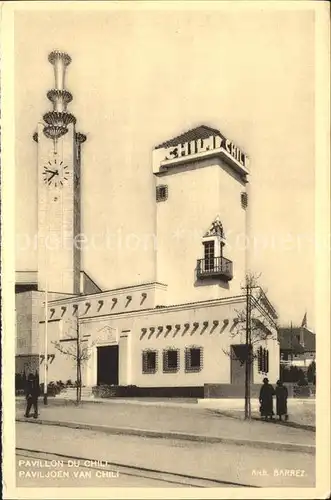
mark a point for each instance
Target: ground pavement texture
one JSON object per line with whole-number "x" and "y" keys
{"x": 190, "y": 420}
{"x": 142, "y": 461}
{"x": 302, "y": 412}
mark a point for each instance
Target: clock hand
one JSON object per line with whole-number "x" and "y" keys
{"x": 51, "y": 177}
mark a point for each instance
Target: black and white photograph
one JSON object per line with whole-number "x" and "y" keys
{"x": 165, "y": 249}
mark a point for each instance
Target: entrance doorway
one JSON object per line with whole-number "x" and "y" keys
{"x": 107, "y": 365}
{"x": 238, "y": 365}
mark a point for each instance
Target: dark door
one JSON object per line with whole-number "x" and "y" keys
{"x": 107, "y": 365}
{"x": 238, "y": 365}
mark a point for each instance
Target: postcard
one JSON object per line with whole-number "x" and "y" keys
{"x": 165, "y": 249}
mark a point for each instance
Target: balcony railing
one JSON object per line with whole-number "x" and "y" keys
{"x": 216, "y": 267}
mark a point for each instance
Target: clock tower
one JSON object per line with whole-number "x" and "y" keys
{"x": 59, "y": 171}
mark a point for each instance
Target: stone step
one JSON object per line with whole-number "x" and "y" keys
{"x": 71, "y": 389}
{"x": 70, "y": 393}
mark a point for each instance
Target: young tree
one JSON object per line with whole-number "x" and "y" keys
{"x": 253, "y": 323}
{"x": 79, "y": 351}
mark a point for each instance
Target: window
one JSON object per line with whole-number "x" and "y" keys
{"x": 193, "y": 359}
{"x": 209, "y": 255}
{"x": 171, "y": 360}
{"x": 161, "y": 193}
{"x": 214, "y": 264}
{"x": 244, "y": 200}
{"x": 149, "y": 361}
{"x": 266, "y": 360}
{"x": 263, "y": 360}
{"x": 259, "y": 359}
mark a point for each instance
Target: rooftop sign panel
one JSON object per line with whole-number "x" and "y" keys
{"x": 196, "y": 144}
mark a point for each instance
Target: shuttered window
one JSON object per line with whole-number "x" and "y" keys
{"x": 193, "y": 359}
{"x": 170, "y": 360}
{"x": 149, "y": 361}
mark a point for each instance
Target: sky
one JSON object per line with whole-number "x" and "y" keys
{"x": 142, "y": 77}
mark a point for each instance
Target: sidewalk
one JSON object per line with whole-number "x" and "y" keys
{"x": 179, "y": 421}
{"x": 302, "y": 412}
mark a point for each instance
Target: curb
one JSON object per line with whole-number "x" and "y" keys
{"x": 105, "y": 401}
{"x": 293, "y": 425}
{"x": 131, "y": 431}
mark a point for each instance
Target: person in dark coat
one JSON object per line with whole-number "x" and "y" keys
{"x": 32, "y": 394}
{"x": 266, "y": 399}
{"x": 281, "y": 400}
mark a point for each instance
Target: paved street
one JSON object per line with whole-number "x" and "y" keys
{"x": 189, "y": 419}
{"x": 218, "y": 462}
{"x": 77, "y": 475}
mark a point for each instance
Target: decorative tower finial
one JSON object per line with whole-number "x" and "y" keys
{"x": 58, "y": 120}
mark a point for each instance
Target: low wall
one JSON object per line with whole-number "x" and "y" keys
{"x": 300, "y": 391}
{"x": 133, "y": 391}
{"x": 234, "y": 391}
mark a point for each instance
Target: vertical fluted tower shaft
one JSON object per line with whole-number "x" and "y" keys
{"x": 60, "y": 61}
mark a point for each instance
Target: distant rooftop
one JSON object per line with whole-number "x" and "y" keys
{"x": 289, "y": 338}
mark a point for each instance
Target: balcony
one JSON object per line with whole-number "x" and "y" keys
{"x": 216, "y": 267}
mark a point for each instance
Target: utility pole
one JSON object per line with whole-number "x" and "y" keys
{"x": 250, "y": 353}
{"x": 46, "y": 348}
{"x": 250, "y": 285}
{"x": 248, "y": 342}
{"x": 46, "y": 303}
{"x": 78, "y": 369}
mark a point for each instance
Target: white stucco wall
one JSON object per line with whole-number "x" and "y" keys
{"x": 133, "y": 339}
{"x": 29, "y": 311}
{"x": 138, "y": 331}
{"x": 197, "y": 193}
{"x": 60, "y": 367}
{"x": 122, "y": 300}
{"x": 209, "y": 325}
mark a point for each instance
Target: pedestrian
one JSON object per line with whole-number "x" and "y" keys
{"x": 266, "y": 399}
{"x": 281, "y": 400}
{"x": 32, "y": 394}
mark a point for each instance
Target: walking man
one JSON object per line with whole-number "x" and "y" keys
{"x": 32, "y": 394}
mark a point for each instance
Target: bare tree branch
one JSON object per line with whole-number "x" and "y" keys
{"x": 257, "y": 321}
{"x": 80, "y": 352}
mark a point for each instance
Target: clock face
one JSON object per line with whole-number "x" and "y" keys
{"x": 56, "y": 173}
